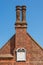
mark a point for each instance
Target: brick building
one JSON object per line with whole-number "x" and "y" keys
{"x": 21, "y": 49}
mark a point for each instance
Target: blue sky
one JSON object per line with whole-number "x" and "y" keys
{"x": 34, "y": 18}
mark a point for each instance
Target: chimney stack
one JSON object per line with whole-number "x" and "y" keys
{"x": 21, "y": 23}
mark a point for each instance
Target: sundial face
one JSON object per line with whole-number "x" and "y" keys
{"x": 21, "y": 55}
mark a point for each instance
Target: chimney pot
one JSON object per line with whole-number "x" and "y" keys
{"x": 24, "y": 14}
{"x": 17, "y": 14}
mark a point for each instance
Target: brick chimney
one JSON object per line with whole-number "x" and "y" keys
{"x": 24, "y": 14}
{"x": 20, "y": 25}
{"x": 17, "y": 14}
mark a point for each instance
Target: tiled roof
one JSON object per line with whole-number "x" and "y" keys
{"x": 35, "y": 41}
{"x": 6, "y": 56}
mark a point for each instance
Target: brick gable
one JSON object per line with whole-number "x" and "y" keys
{"x": 34, "y": 53}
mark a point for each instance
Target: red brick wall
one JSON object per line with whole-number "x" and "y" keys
{"x": 34, "y": 54}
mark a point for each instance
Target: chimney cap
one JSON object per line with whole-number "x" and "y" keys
{"x": 24, "y": 7}
{"x": 18, "y": 7}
